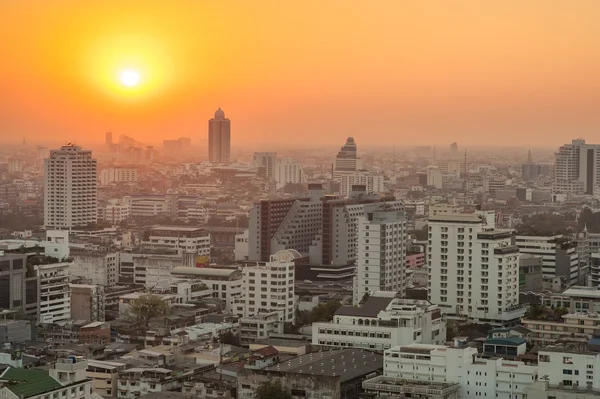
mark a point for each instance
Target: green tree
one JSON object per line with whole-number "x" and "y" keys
{"x": 543, "y": 224}
{"x": 323, "y": 311}
{"x": 272, "y": 390}
{"x": 230, "y": 338}
{"x": 144, "y": 308}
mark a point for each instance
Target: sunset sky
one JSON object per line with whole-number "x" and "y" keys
{"x": 401, "y": 72}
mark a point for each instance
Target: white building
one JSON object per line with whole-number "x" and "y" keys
{"x": 183, "y": 239}
{"x": 383, "y": 322}
{"x": 188, "y": 290}
{"x": 577, "y": 161}
{"x": 98, "y": 268}
{"x": 372, "y": 181}
{"x": 473, "y": 269}
{"x": 70, "y": 188}
{"x": 241, "y": 248}
{"x": 114, "y": 212}
{"x": 266, "y": 160}
{"x": 268, "y": 291}
{"x": 435, "y": 177}
{"x": 569, "y": 365}
{"x": 559, "y": 254}
{"x": 55, "y": 293}
{"x": 381, "y": 261}
{"x": 478, "y": 377}
{"x": 219, "y": 138}
{"x": 226, "y": 284}
{"x": 287, "y": 171}
{"x": 118, "y": 175}
{"x": 346, "y": 160}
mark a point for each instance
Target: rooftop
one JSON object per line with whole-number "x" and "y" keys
{"x": 508, "y": 341}
{"x": 588, "y": 292}
{"x": 457, "y": 217}
{"x": 370, "y": 308}
{"x": 347, "y": 363}
{"x": 29, "y": 382}
{"x": 205, "y": 271}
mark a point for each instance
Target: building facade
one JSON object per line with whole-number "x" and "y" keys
{"x": 219, "y": 138}
{"x": 559, "y": 253}
{"x": 266, "y": 160}
{"x": 118, "y": 175}
{"x": 287, "y": 171}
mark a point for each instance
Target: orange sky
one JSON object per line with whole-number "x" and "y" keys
{"x": 383, "y": 71}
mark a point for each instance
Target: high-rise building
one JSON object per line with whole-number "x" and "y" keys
{"x": 347, "y": 160}
{"x": 288, "y": 171}
{"x": 219, "y": 138}
{"x": 577, "y": 168}
{"x": 266, "y": 160}
{"x": 108, "y": 139}
{"x": 381, "y": 263}
{"x": 473, "y": 268}
{"x": 70, "y": 188}
{"x": 531, "y": 170}
{"x": 454, "y": 150}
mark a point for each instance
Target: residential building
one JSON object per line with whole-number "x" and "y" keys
{"x": 95, "y": 333}
{"x": 133, "y": 266}
{"x": 434, "y": 364}
{"x": 87, "y": 302}
{"x": 138, "y": 381}
{"x": 226, "y": 284}
{"x": 577, "y": 161}
{"x": 180, "y": 238}
{"x": 570, "y": 366}
{"x": 104, "y": 376}
{"x": 54, "y": 293}
{"x": 559, "y": 253}
{"x": 18, "y": 286}
{"x": 118, "y": 175}
{"x": 574, "y": 326}
{"x": 266, "y": 160}
{"x": 531, "y": 277}
{"x": 125, "y": 300}
{"x": 219, "y": 138}
{"x": 66, "y": 379}
{"x": 382, "y": 322}
{"x": 381, "y": 264}
{"x": 373, "y": 182}
{"x": 268, "y": 289}
{"x": 70, "y": 188}
{"x": 188, "y": 290}
{"x": 96, "y": 267}
{"x": 13, "y": 329}
{"x": 415, "y": 260}
{"x": 287, "y": 171}
{"x": 382, "y": 387}
{"x": 473, "y": 269}
{"x": 114, "y": 211}
{"x": 320, "y": 375}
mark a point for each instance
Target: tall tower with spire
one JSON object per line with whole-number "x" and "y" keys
{"x": 529, "y": 158}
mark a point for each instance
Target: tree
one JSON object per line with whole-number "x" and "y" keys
{"x": 230, "y": 338}
{"x": 144, "y": 308}
{"x": 272, "y": 390}
{"x": 323, "y": 311}
{"x": 364, "y": 298}
{"x": 543, "y": 224}
{"x": 415, "y": 194}
{"x": 291, "y": 188}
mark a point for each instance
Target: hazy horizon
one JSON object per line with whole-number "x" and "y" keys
{"x": 514, "y": 73}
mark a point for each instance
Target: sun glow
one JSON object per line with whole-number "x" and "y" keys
{"x": 130, "y": 78}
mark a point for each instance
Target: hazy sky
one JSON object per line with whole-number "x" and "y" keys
{"x": 397, "y": 71}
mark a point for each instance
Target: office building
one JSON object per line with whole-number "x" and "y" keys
{"x": 381, "y": 264}
{"x": 473, "y": 269}
{"x": 177, "y": 146}
{"x": 118, "y": 175}
{"x": 382, "y": 322}
{"x": 346, "y": 160}
{"x": 559, "y": 253}
{"x": 70, "y": 188}
{"x": 287, "y": 171}
{"x": 13, "y": 330}
{"x": 219, "y": 138}
{"x": 266, "y": 160}
{"x": 267, "y": 300}
{"x": 452, "y": 368}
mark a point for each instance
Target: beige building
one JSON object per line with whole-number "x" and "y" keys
{"x": 573, "y": 325}
{"x": 104, "y": 376}
{"x": 87, "y": 302}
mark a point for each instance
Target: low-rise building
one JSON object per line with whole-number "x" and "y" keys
{"x": 572, "y": 325}
{"x": 383, "y": 322}
{"x": 87, "y": 302}
{"x": 104, "y": 376}
{"x": 226, "y": 284}
{"x": 183, "y": 239}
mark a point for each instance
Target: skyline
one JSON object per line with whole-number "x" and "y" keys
{"x": 417, "y": 74}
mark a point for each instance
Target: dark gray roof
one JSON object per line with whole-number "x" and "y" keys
{"x": 347, "y": 363}
{"x": 522, "y": 330}
{"x": 371, "y": 308}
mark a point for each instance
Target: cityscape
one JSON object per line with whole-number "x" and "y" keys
{"x": 221, "y": 253}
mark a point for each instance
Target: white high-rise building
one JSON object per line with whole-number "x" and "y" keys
{"x": 372, "y": 182}
{"x": 473, "y": 269}
{"x": 346, "y": 160}
{"x": 70, "y": 188}
{"x": 287, "y": 171}
{"x": 577, "y": 168}
{"x": 559, "y": 254}
{"x": 381, "y": 262}
{"x": 219, "y": 138}
{"x": 267, "y": 160}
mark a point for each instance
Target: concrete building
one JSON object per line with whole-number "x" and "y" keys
{"x": 104, "y": 376}
{"x": 381, "y": 264}
{"x": 372, "y": 182}
{"x": 226, "y": 284}
{"x": 118, "y": 175}
{"x": 595, "y": 269}
{"x": 473, "y": 269}
{"x": 320, "y": 375}
{"x": 531, "y": 278}
{"x": 287, "y": 171}
{"x": 569, "y": 366}
{"x": 114, "y": 211}
{"x": 12, "y": 329}
{"x": 97, "y": 268}
{"x": 219, "y": 138}
{"x": 266, "y": 160}
{"x": 18, "y": 287}
{"x": 268, "y": 295}
{"x": 87, "y": 302}
{"x": 55, "y": 293}
{"x": 382, "y": 322}
{"x": 577, "y": 161}
{"x": 180, "y": 238}
{"x": 125, "y": 300}
{"x": 559, "y": 253}
{"x": 70, "y": 188}
{"x": 576, "y": 326}
{"x": 188, "y": 290}
{"x": 457, "y": 366}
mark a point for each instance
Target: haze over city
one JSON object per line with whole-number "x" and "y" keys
{"x": 312, "y": 73}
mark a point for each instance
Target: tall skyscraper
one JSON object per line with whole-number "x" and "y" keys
{"x": 577, "y": 168}
{"x": 108, "y": 139}
{"x": 70, "y": 188}
{"x": 288, "y": 171}
{"x": 266, "y": 160}
{"x": 219, "y": 138}
{"x": 346, "y": 160}
{"x": 454, "y": 150}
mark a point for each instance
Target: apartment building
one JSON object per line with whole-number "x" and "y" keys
{"x": 104, "y": 376}
{"x": 382, "y": 322}
{"x": 266, "y": 160}
{"x": 576, "y": 326}
{"x": 180, "y": 238}
{"x": 473, "y": 269}
{"x": 118, "y": 175}
{"x": 54, "y": 293}
{"x": 559, "y": 253}
{"x": 18, "y": 287}
{"x": 475, "y": 376}
{"x": 87, "y": 302}
{"x": 114, "y": 211}
{"x": 381, "y": 264}
{"x": 97, "y": 268}
{"x": 70, "y": 188}
{"x": 569, "y": 365}
{"x": 373, "y": 182}
{"x": 288, "y": 171}
{"x": 226, "y": 284}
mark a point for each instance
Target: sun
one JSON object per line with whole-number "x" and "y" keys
{"x": 130, "y": 78}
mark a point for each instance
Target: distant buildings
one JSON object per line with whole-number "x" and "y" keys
{"x": 266, "y": 160}
{"x": 348, "y": 171}
{"x": 176, "y": 147}
{"x": 577, "y": 168}
{"x": 288, "y": 171}
{"x": 191, "y": 240}
{"x": 70, "y": 188}
{"x": 219, "y": 138}
{"x": 532, "y": 171}
{"x": 118, "y": 175}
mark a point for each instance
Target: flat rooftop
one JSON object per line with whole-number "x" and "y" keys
{"x": 176, "y": 228}
{"x": 457, "y": 217}
{"x": 587, "y": 292}
{"x": 347, "y": 363}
